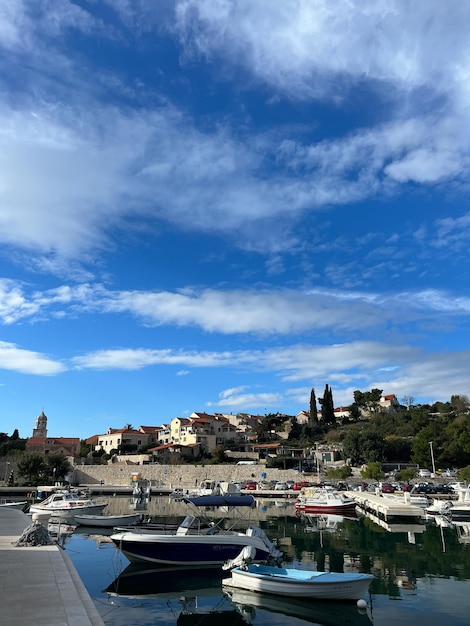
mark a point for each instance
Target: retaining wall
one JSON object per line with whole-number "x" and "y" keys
{"x": 180, "y": 475}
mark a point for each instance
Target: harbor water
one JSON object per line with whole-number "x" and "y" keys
{"x": 421, "y": 572}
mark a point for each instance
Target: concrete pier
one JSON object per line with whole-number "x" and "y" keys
{"x": 386, "y": 508}
{"x": 39, "y": 585}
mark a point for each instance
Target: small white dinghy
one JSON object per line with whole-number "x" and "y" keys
{"x": 109, "y": 521}
{"x": 297, "y": 583}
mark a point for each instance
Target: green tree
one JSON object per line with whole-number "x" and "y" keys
{"x": 270, "y": 424}
{"x": 295, "y": 430}
{"x": 398, "y": 449}
{"x": 364, "y": 446}
{"x": 57, "y": 467}
{"x": 368, "y": 399}
{"x": 339, "y": 473}
{"x": 460, "y": 404}
{"x": 218, "y": 455}
{"x": 373, "y": 471}
{"x": 354, "y": 412}
{"x": 465, "y": 474}
{"x": 32, "y": 466}
{"x": 127, "y": 448}
{"x": 313, "y": 417}
{"x": 85, "y": 448}
{"x": 327, "y": 406}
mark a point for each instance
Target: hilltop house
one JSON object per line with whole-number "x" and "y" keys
{"x": 208, "y": 431}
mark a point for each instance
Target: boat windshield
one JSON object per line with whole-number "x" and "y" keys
{"x": 189, "y": 522}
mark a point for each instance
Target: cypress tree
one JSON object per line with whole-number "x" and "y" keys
{"x": 313, "y": 419}
{"x": 328, "y": 408}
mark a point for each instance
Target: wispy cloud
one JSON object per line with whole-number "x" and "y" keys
{"x": 158, "y": 163}
{"x": 265, "y": 312}
{"x": 16, "y": 359}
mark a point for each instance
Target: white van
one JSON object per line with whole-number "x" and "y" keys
{"x": 246, "y": 463}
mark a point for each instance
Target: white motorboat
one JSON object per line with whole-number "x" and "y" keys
{"x": 460, "y": 510}
{"x": 141, "y": 489}
{"x": 207, "y": 488}
{"x": 457, "y": 510}
{"x": 439, "y": 507}
{"x": 296, "y": 583}
{"x": 67, "y": 504}
{"x": 193, "y": 544}
{"x": 109, "y": 521}
{"x": 313, "y": 500}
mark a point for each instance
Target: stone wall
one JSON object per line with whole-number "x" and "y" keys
{"x": 185, "y": 476}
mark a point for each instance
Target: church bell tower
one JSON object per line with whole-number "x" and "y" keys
{"x": 40, "y": 429}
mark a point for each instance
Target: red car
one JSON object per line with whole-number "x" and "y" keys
{"x": 388, "y": 488}
{"x": 300, "y": 485}
{"x": 250, "y": 484}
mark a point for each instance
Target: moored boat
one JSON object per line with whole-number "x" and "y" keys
{"x": 297, "y": 583}
{"x": 460, "y": 509}
{"x": 108, "y": 521}
{"x": 195, "y": 543}
{"x": 313, "y": 500}
{"x": 67, "y": 504}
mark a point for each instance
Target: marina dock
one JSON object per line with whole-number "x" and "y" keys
{"x": 39, "y": 585}
{"x": 386, "y": 508}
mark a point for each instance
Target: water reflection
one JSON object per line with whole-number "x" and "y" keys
{"x": 315, "y": 612}
{"x": 137, "y": 581}
{"x": 430, "y": 577}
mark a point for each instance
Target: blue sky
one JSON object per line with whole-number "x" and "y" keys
{"x": 214, "y": 205}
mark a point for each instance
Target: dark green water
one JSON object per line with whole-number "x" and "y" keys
{"x": 422, "y": 575}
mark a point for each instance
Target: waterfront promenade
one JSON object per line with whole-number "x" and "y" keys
{"x": 39, "y": 585}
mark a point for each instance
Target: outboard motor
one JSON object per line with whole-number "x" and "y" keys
{"x": 246, "y": 556}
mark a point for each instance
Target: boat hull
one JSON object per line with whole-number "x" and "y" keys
{"x": 68, "y": 512}
{"x": 187, "y": 549}
{"x": 325, "y": 501}
{"x": 300, "y": 583}
{"x": 108, "y": 521}
{"x": 344, "y": 509}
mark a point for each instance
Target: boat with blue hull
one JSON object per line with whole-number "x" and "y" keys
{"x": 193, "y": 544}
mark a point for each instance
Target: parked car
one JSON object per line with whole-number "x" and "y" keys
{"x": 250, "y": 484}
{"x": 444, "y": 489}
{"x": 387, "y": 488}
{"x": 290, "y": 484}
{"x": 300, "y": 484}
{"x": 424, "y": 473}
{"x": 426, "y": 488}
{"x": 280, "y": 486}
{"x": 449, "y": 473}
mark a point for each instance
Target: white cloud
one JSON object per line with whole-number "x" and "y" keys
{"x": 232, "y": 312}
{"x": 298, "y": 46}
{"x": 240, "y": 398}
{"x": 75, "y": 170}
{"x": 423, "y": 166}
{"x": 399, "y": 369}
{"x": 17, "y": 359}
